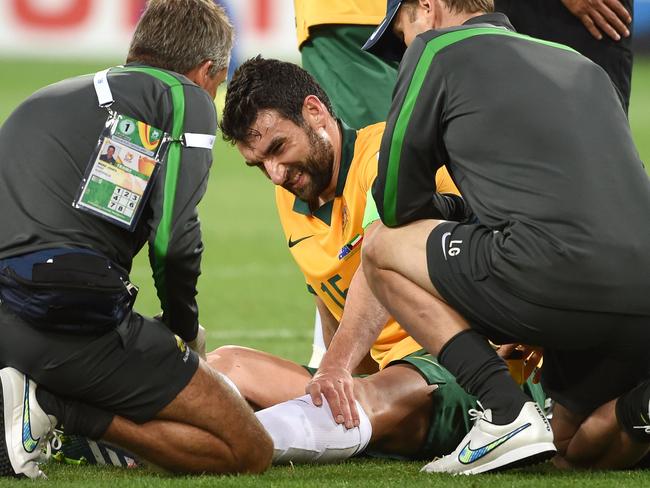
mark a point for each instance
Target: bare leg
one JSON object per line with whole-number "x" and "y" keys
{"x": 263, "y": 379}
{"x": 397, "y": 400}
{"x": 207, "y": 428}
{"x": 595, "y": 442}
{"x": 395, "y": 264}
{"x": 396, "y": 267}
{"x": 565, "y": 424}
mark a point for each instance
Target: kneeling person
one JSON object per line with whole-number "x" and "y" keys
{"x": 104, "y": 371}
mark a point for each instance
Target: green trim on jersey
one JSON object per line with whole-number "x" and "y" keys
{"x": 163, "y": 233}
{"x": 432, "y": 48}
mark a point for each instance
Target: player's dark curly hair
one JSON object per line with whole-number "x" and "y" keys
{"x": 263, "y": 84}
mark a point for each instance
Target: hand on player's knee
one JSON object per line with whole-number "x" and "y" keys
{"x": 337, "y": 386}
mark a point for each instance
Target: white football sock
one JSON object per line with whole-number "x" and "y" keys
{"x": 318, "y": 346}
{"x": 305, "y": 433}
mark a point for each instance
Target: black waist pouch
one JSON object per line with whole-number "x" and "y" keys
{"x": 73, "y": 292}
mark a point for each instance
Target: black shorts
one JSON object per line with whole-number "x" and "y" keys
{"x": 590, "y": 358}
{"x": 550, "y": 20}
{"x": 133, "y": 371}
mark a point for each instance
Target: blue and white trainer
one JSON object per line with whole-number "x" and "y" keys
{"x": 26, "y": 427}
{"x": 490, "y": 447}
{"x": 79, "y": 450}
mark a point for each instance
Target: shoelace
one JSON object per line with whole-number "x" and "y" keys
{"x": 476, "y": 415}
{"x": 52, "y": 440}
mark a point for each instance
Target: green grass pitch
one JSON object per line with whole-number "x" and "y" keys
{"x": 252, "y": 294}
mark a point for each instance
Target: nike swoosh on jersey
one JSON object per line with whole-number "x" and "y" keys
{"x": 298, "y": 241}
{"x": 468, "y": 455}
{"x": 29, "y": 443}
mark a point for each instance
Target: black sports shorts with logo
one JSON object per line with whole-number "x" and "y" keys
{"x": 134, "y": 370}
{"x": 589, "y": 359}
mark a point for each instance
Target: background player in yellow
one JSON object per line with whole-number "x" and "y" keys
{"x": 330, "y": 36}
{"x": 282, "y": 122}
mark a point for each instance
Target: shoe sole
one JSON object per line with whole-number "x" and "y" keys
{"x": 6, "y": 469}
{"x": 517, "y": 458}
{"x": 540, "y": 458}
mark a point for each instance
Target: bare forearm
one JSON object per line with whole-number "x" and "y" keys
{"x": 362, "y": 321}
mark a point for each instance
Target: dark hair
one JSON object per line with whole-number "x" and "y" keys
{"x": 266, "y": 84}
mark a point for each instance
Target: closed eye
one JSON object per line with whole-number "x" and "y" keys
{"x": 275, "y": 147}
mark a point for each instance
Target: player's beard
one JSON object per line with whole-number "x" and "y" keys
{"x": 317, "y": 167}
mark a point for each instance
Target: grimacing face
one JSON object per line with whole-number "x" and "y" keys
{"x": 298, "y": 158}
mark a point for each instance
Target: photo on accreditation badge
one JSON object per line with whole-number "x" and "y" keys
{"x": 116, "y": 182}
{"x": 108, "y": 153}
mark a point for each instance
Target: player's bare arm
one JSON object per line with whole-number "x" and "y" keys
{"x": 330, "y": 324}
{"x": 362, "y": 321}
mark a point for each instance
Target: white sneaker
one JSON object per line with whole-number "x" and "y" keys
{"x": 489, "y": 447}
{"x": 27, "y": 428}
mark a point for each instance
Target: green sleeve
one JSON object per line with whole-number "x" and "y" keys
{"x": 370, "y": 214}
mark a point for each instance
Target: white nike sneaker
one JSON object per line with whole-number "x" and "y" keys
{"x": 27, "y": 428}
{"x": 489, "y": 447}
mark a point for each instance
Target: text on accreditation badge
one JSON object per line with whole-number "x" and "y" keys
{"x": 121, "y": 170}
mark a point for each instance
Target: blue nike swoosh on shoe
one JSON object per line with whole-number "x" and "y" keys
{"x": 468, "y": 455}
{"x": 29, "y": 443}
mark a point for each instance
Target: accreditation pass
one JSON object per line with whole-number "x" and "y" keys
{"x": 121, "y": 170}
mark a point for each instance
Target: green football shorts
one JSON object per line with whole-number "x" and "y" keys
{"x": 359, "y": 85}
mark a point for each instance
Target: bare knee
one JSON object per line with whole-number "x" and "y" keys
{"x": 238, "y": 443}
{"x": 226, "y": 358}
{"x": 399, "y": 388}
{"x": 598, "y": 442}
{"x": 236, "y": 363}
{"x": 372, "y": 248}
{"x": 251, "y": 447}
{"x": 398, "y": 403}
{"x": 565, "y": 424}
{"x": 255, "y": 455}
{"x": 252, "y": 453}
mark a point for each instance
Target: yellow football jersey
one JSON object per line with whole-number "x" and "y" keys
{"x": 326, "y": 243}
{"x": 318, "y": 12}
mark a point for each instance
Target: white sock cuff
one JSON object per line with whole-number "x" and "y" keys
{"x": 365, "y": 428}
{"x": 305, "y": 433}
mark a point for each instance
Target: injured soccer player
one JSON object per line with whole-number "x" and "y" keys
{"x": 407, "y": 406}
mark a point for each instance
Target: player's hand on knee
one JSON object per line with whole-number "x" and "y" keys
{"x": 602, "y": 16}
{"x": 337, "y": 386}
